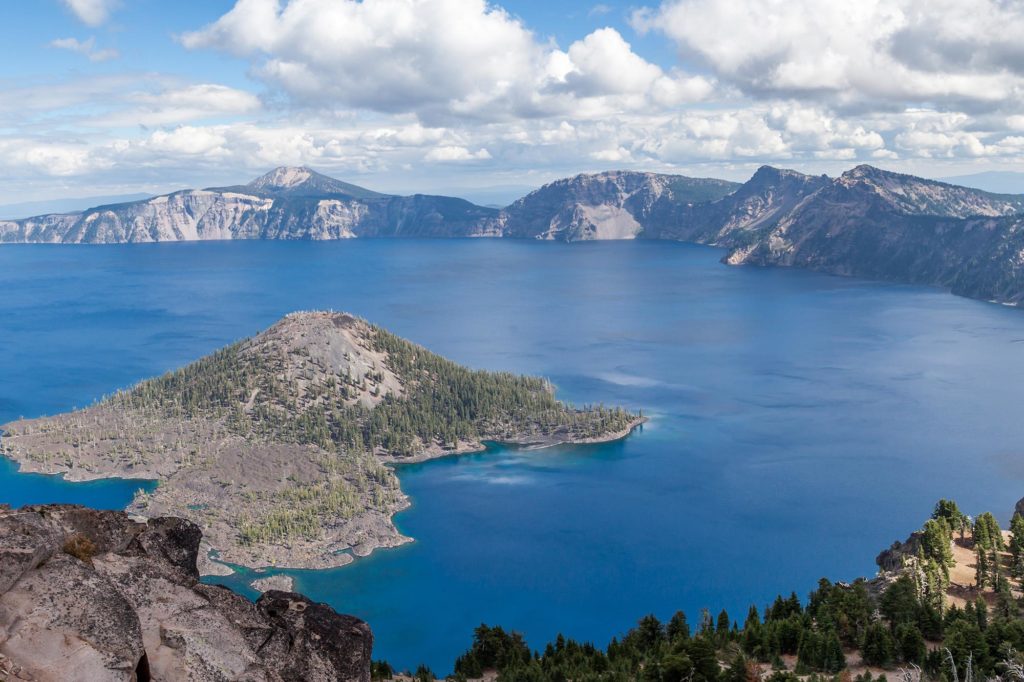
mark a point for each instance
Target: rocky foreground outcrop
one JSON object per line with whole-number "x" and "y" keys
{"x": 93, "y": 595}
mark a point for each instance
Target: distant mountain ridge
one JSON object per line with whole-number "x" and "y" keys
{"x": 867, "y": 222}
{"x": 25, "y": 209}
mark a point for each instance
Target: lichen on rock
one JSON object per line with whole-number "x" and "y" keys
{"x": 134, "y": 609}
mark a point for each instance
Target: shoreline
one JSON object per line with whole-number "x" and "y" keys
{"x": 213, "y": 560}
{"x": 471, "y": 448}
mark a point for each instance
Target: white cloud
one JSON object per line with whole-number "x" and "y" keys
{"x": 603, "y": 63}
{"x": 187, "y": 141}
{"x": 179, "y": 105}
{"x": 455, "y": 153}
{"x": 865, "y": 53}
{"x": 92, "y": 12}
{"x": 719, "y": 135}
{"x": 85, "y": 47}
{"x": 617, "y": 155}
{"x": 445, "y": 59}
{"x": 402, "y": 94}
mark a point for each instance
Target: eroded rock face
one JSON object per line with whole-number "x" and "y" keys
{"x": 893, "y": 559}
{"x": 93, "y": 595}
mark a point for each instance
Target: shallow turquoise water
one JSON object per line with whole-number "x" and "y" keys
{"x": 800, "y": 422}
{"x": 20, "y": 489}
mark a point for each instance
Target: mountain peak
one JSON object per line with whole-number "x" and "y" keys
{"x": 765, "y": 172}
{"x": 911, "y": 195}
{"x": 867, "y": 171}
{"x": 283, "y": 177}
{"x": 301, "y": 181}
{"x": 770, "y": 175}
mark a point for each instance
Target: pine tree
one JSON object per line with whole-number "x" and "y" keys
{"x": 678, "y": 629}
{"x": 987, "y": 533}
{"x": 981, "y": 613}
{"x": 877, "y": 647}
{"x": 910, "y": 646}
{"x": 981, "y": 567}
{"x": 834, "y": 660}
{"x": 948, "y": 510}
{"x": 1017, "y": 546}
{"x": 936, "y": 539}
{"x": 722, "y": 626}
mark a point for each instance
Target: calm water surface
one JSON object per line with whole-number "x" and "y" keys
{"x": 800, "y": 423}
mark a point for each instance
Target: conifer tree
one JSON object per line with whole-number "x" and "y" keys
{"x": 981, "y": 567}
{"x": 678, "y": 629}
{"x": 948, "y": 510}
{"x": 1017, "y": 547}
{"x": 935, "y": 541}
{"x": 722, "y": 626}
{"x": 877, "y": 647}
{"x": 910, "y": 645}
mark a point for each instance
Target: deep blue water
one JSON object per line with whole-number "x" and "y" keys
{"x": 800, "y": 422}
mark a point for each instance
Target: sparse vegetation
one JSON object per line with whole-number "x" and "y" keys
{"x": 80, "y": 547}
{"x": 286, "y": 395}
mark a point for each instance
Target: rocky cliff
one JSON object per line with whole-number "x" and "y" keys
{"x": 93, "y": 595}
{"x": 880, "y": 225}
{"x": 613, "y": 205}
{"x": 287, "y": 203}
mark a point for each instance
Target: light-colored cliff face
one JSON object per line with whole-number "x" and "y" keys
{"x": 287, "y": 203}
{"x": 612, "y": 205}
{"x": 183, "y": 216}
{"x": 46, "y": 229}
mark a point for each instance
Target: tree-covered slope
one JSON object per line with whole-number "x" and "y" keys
{"x": 340, "y": 383}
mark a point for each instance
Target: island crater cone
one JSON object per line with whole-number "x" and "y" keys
{"x": 278, "y": 446}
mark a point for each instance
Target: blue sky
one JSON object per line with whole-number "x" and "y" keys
{"x": 111, "y": 96}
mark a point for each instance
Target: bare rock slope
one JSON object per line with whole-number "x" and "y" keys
{"x": 93, "y": 595}
{"x": 277, "y": 446}
{"x": 611, "y": 205}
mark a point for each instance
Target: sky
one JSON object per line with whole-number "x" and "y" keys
{"x": 470, "y": 97}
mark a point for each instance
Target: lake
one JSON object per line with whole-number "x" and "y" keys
{"x": 799, "y": 422}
